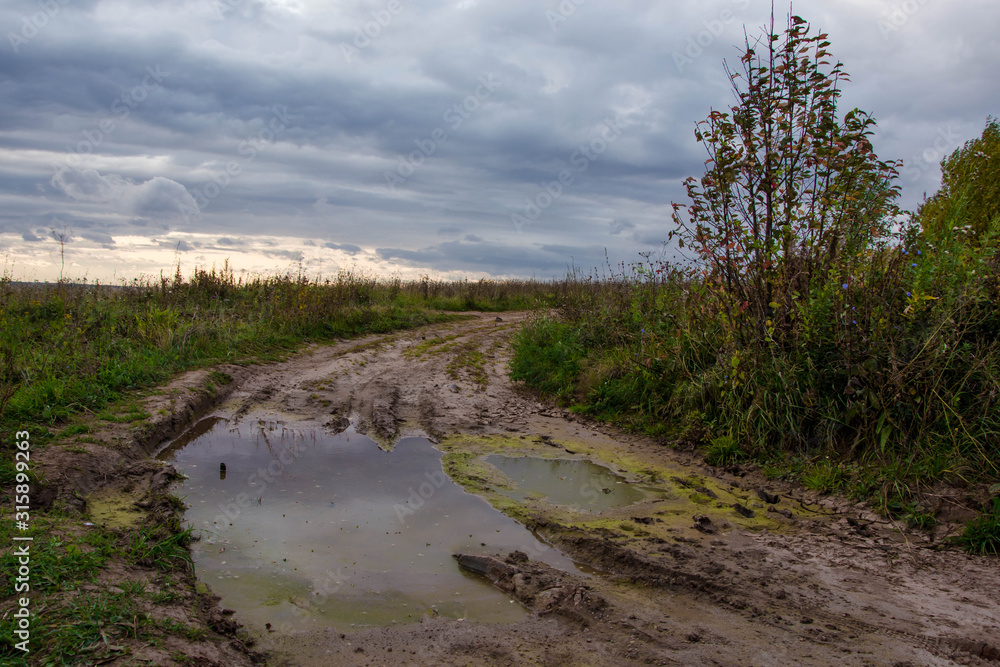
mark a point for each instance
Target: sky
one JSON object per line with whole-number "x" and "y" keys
{"x": 449, "y": 138}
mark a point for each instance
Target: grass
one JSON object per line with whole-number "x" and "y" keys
{"x": 878, "y": 390}
{"x": 982, "y": 535}
{"x": 724, "y": 450}
{"x": 74, "y": 619}
{"x": 57, "y": 561}
{"x": 65, "y": 620}
{"x": 150, "y": 549}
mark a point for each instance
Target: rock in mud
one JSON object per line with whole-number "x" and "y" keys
{"x": 705, "y": 525}
{"x": 493, "y": 569}
{"x": 338, "y": 424}
{"x": 743, "y": 511}
{"x": 537, "y": 585}
{"x": 862, "y": 528}
{"x": 767, "y": 497}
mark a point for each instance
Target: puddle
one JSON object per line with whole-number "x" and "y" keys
{"x": 303, "y": 529}
{"x": 580, "y": 485}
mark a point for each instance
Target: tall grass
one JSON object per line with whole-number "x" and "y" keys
{"x": 891, "y": 369}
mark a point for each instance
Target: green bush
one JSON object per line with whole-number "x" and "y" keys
{"x": 549, "y": 354}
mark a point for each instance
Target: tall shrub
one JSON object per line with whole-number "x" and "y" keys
{"x": 791, "y": 191}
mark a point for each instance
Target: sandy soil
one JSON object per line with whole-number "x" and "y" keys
{"x": 804, "y": 580}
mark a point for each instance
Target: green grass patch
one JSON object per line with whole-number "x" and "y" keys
{"x": 982, "y": 535}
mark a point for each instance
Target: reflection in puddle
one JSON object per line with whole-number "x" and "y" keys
{"x": 301, "y": 529}
{"x": 580, "y": 485}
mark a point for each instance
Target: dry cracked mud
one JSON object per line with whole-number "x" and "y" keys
{"x": 723, "y": 568}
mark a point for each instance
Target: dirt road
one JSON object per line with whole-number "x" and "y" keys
{"x": 724, "y": 568}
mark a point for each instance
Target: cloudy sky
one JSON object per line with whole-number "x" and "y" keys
{"x": 412, "y": 136}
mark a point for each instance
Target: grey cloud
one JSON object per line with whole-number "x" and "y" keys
{"x": 88, "y": 185}
{"x": 496, "y": 258}
{"x": 160, "y": 197}
{"x": 344, "y": 247}
{"x": 349, "y": 123}
{"x": 650, "y": 237}
{"x": 156, "y": 198}
{"x": 291, "y": 255}
{"x": 619, "y": 225}
{"x": 103, "y": 238}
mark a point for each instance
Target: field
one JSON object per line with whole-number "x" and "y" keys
{"x": 807, "y": 392}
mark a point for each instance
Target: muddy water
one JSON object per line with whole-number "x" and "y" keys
{"x": 579, "y": 485}
{"x": 305, "y": 529}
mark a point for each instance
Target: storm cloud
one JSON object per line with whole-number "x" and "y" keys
{"x": 408, "y": 136}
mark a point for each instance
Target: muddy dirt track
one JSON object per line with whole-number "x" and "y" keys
{"x": 725, "y": 568}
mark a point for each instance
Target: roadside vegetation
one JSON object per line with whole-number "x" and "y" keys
{"x": 816, "y": 330}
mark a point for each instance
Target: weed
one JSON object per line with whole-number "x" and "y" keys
{"x": 146, "y": 547}
{"x": 75, "y": 429}
{"x": 219, "y": 378}
{"x": 723, "y": 451}
{"x": 982, "y": 535}
{"x": 825, "y": 477}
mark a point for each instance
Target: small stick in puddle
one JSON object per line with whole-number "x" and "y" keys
{"x": 222, "y": 471}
